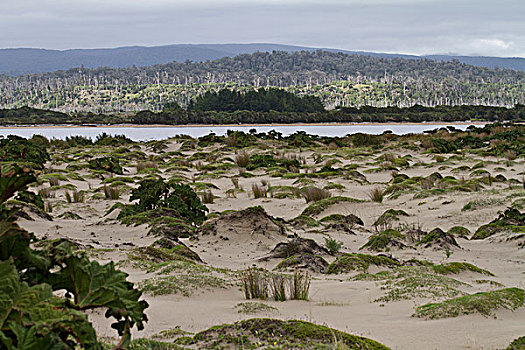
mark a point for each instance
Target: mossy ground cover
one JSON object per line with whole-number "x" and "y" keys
{"x": 512, "y": 220}
{"x": 410, "y": 282}
{"x": 254, "y": 308}
{"x": 385, "y": 240}
{"x": 175, "y": 271}
{"x": 277, "y": 334}
{"x": 422, "y": 279}
{"x": 485, "y": 303}
{"x": 359, "y": 262}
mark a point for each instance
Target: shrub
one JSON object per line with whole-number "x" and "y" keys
{"x": 156, "y": 195}
{"x": 332, "y": 245}
{"x": 109, "y": 164}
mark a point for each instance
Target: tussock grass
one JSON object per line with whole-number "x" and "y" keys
{"x": 377, "y": 194}
{"x": 207, "y": 197}
{"x": 111, "y": 192}
{"x": 242, "y": 159}
{"x": 261, "y": 284}
{"x": 314, "y": 194}
{"x": 259, "y": 191}
{"x": 75, "y": 197}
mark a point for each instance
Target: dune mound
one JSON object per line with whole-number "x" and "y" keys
{"x": 315, "y": 263}
{"x": 271, "y": 333}
{"x": 297, "y": 246}
{"x": 251, "y": 222}
{"x": 437, "y": 238}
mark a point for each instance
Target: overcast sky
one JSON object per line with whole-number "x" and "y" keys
{"x": 468, "y": 27}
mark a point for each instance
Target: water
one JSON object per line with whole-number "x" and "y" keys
{"x": 144, "y": 133}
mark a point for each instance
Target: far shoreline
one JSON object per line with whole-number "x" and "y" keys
{"x": 94, "y": 126}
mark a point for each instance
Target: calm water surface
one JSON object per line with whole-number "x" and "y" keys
{"x": 159, "y": 133}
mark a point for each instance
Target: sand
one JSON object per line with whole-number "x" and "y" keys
{"x": 335, "y": 300}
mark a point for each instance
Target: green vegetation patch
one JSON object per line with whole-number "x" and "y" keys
{"x": 458, "y": 267}
{"x": 485, "y": 303}
{"x": 318, "y": 207}
{"x": 252, "y": 308}
{"x": 277, "y": 334}
{"x": 383, "y": 241}
{"x": 512, "y": 220}
{"x": 409, "y": 282}
{"x": 517, "y": 344}
{"x": 360, "y": 262}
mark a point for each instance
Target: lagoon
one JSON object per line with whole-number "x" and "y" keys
{"x": 145, "y": 133}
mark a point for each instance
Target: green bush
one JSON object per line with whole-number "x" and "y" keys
{"x": 32, "y": 316}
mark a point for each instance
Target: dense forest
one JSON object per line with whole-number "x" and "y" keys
{"x": 337, "y": 79}
{"x": 175, "y": 115}
{"x": 262, "y": 100}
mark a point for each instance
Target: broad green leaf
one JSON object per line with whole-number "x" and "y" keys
{"x": 93, "y": 285}
{"x": 38, "y": 319}
{"x": 13, "y": 179}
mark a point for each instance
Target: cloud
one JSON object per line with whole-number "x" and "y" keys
{"x": 408, "y": 26}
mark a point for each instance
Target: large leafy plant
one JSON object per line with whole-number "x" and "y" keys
{"x": 157, "y": 198}
{"x": 31, "y": 315}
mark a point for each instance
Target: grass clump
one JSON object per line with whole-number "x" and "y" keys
{"x": 485, "y": 303}
{"x": 111, "y": 192}
{"x": 251, "y": 308}
{"x": 386, "y": 219}
{"x": 207, "y": 197}
{"x": 75, "y": 196}
{"x": 318, "y": 207}
{"x": 377, "y": 195}
{"x": 242, "y": 159}
{"x": 314, "y": 194}
{"x": 383, "y": 241}
{"x": 259, "y": 191}
{"x": 361, "y": 262}
{"x": 262, "y": 284}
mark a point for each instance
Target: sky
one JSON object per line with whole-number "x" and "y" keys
{"x": 464, "y": 27}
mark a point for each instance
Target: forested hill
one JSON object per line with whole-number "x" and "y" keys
{"x": 338, "y": 79}
{"x": 23, "y": 61}
{"x": 279, "y": 68}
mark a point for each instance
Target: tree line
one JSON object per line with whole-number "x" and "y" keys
{"x": 175, "y": 115}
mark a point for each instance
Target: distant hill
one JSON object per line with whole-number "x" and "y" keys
{"x": 27, "y": 60}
